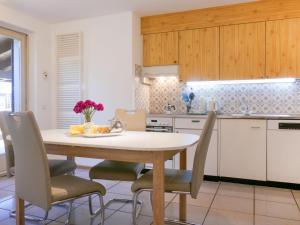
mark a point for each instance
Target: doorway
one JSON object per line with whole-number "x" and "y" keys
{"x": 13, "y": 67}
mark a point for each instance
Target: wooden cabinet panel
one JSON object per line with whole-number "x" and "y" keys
{"x": 199, "y": 54}
{"x": 283, "y": 48}
{"x": 242, "y": 51}
{"x": 161, "y": 49}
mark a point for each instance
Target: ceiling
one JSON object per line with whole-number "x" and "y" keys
{"x": 54, "y": 11}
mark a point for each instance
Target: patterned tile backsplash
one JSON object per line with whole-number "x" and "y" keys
{"x": 271, "y": 98}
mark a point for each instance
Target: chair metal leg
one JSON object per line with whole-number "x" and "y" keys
{"x": 125, "y": 201}
{"x": 102, "y": 206}
{"x": 151, "y": 199}
{"x": 100, "y": 210}
{"x": 135, "y": 212}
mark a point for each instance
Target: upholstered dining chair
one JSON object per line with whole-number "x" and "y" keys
{"x": 32, "y": 169}
{"x": 116, "y": 170}
{"x": 179, "y": 181}
{"x": 56, "y": 167}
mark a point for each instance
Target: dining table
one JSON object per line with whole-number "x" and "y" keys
{"x": 129, "y": 146}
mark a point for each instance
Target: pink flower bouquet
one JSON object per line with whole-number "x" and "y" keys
{"x": 88, "y": 108}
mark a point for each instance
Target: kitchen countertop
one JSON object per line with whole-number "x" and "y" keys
{"x": 233, "y": 116}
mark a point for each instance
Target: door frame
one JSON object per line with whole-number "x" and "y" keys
{"x": 23, "y": 38}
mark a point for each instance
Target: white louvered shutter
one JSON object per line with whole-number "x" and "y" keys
{"x": 69, "y": 69}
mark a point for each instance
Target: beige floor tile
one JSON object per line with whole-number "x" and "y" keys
{"x": 147, "y": 208}
{"x": 54, "y": 213}
{"x": 9, "y": 204}
{"x": 81, "y": 215}
{"x": 203, "y": 199}
{"x": 108, "y": 197}
{"x": 222, "y": 217}
{"x": 126, "y": 219}
{"x": 296, "y": 194}
{"x": 4, "y": 181}
{"x": 5, "y": 195}
{"x": 9, "y": 188}
{"x": 274, "y": 194}
{"x": 12, "y": 221}
{"x": 236, "y": 190}
{"x": 209, "y": 187}
{"x": 264, "y": 220}
{"x": 122, "y": 188}
{"x": 243, "y": 205}
{"x": 107, "y": 183}
{"x": 276, "y": 209}
{"x": 194, "y": 214}
{"x": 4, "y": 214}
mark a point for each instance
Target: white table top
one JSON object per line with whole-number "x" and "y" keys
{"x": 129, "y": 140}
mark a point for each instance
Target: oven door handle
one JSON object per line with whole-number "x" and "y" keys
{"x": 158, "y": 129}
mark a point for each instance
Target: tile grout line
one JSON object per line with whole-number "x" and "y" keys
{"x": 295, "y": 200}
{"x": 209, "y": 208}
{"x": 254, "y": 187}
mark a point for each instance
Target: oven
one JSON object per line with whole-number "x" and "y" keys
{"x": 165, "y": 125}
{"x": 155, "y": 124}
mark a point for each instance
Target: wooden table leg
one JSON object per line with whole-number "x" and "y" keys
{"x": 158, "y": 189}
{"x": 182, "y": 197}
{"x": 20, "y": 220}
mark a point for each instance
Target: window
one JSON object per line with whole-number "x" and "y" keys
{"x": 13, "y": 51}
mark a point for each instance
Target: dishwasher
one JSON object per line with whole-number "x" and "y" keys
{"x": 283, "y": 151}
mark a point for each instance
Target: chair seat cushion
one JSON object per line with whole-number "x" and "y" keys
{"x": 116, "y": 170}
{"x": 67, "y": 186}
{"x": 61, "y": 167}
{"x": 57, "y": 167}
{"x": 175, "y": 180}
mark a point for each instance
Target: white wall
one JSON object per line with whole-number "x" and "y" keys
{"x": 109, "y": 55}
{"x": 108, "y": 73}
{"x": 39, "y": 41}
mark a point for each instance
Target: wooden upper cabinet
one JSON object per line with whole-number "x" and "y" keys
{"x": 161, "y": 49}
{"x": 199, "y": 54}
{"x": 283, "y": 48}
{"x": 242, "y": 51}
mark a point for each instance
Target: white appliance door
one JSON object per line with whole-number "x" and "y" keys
{"x": 283, "y": 156}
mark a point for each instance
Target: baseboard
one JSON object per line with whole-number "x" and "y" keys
{"x": 211, "y": 178}
{"x": 255, "y": 182}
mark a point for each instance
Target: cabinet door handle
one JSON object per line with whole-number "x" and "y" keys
{"x": 195, "y": 121}
{"x": 253, "y": 127}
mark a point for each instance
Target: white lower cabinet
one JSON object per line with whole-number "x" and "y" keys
{"x": 243, "y": 149}
{"x": 211, "y": 164}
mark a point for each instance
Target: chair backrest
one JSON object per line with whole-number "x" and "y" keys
{"x": 31, "y": 165}
{"x": 9, "y": 153}
{"x": 200, "y": 154}
{"x": 132, "y": 120}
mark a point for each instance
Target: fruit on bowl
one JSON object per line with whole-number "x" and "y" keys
{"x": 95, "y": 129}
{"x": 76, "y": 129}
{"x": 103, "y": 129}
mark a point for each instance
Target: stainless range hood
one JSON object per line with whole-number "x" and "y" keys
{"x": 160, "y": 71}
